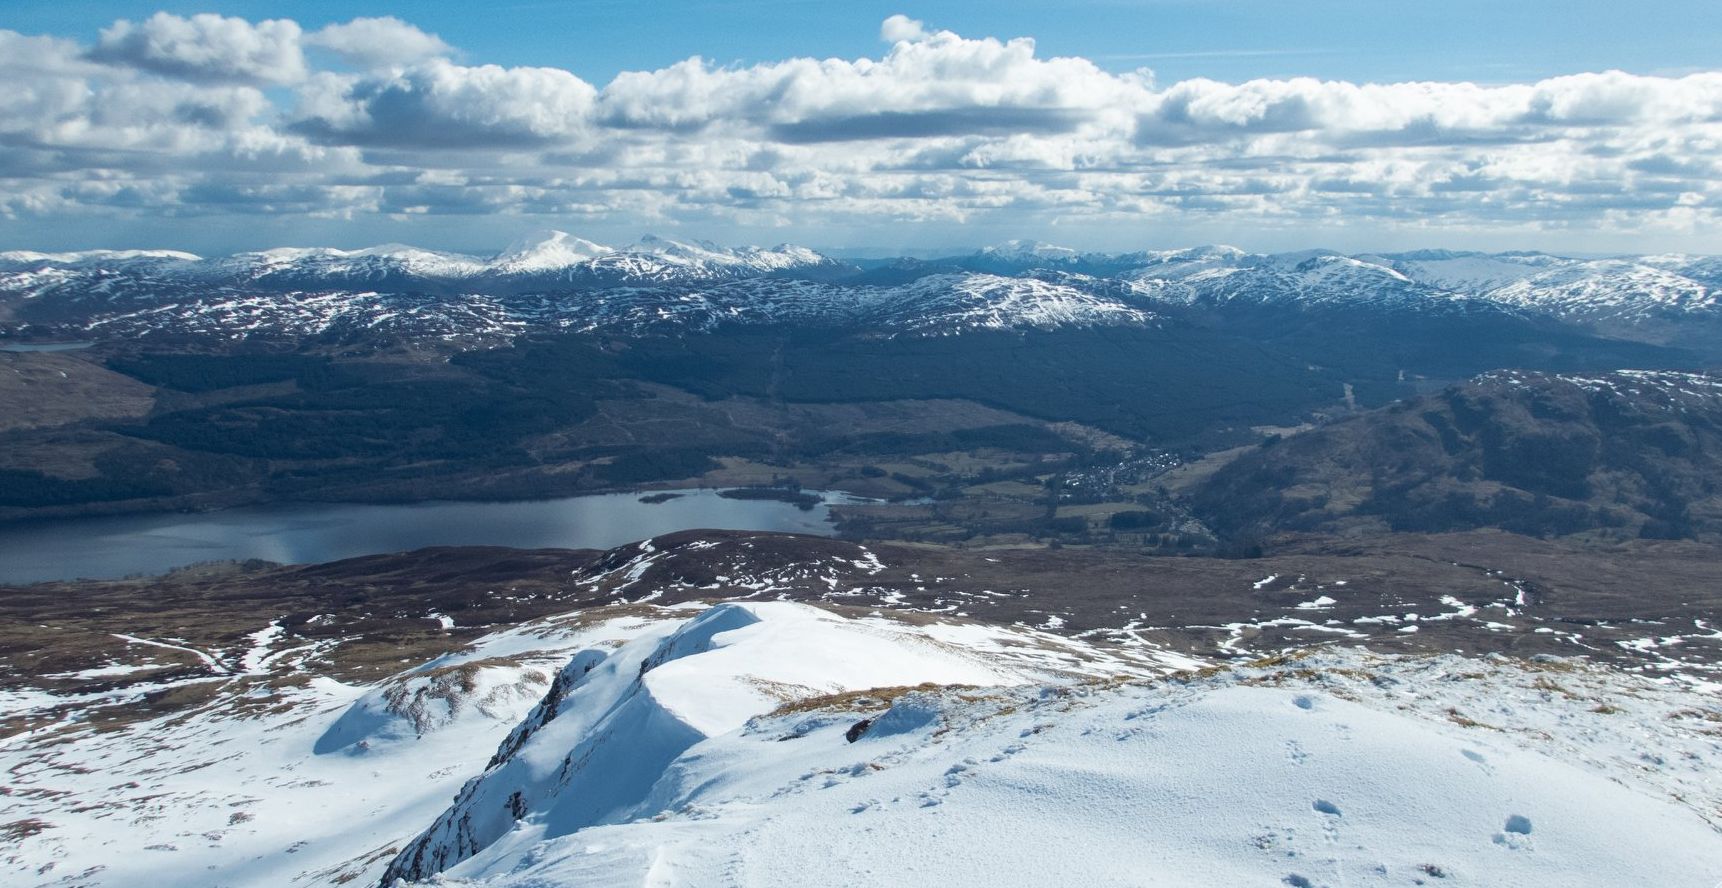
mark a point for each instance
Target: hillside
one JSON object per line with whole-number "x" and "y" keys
{"x": 1341, "y": 769}
{"x": 1628, "y": 454}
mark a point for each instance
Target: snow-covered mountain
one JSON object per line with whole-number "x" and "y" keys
{"x": 555, "y": 281}
{"x": 614, "y": 721}
{"x": 547, "y": 251}
{"x": 541, "y": 259}
{"x": 767, "y": 736}
{"x": 289, "y": 777}
{"x": 1338, "y": 769}
{"x": 1030, "y": 251}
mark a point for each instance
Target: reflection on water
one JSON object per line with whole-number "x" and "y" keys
{"x": 43, "y": 346}
{"x": 308, "y": 533}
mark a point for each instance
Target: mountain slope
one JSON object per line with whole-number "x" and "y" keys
{"x": 593, "y": 750}
{"x": 240, "y": 727}
{"x": 1340, "y": 769}
{"x": 1633, "y": 453}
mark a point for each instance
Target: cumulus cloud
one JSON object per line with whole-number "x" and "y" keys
{"x": 928, "y": 84}
{"x": 206, "y": 47}
{"x": 1197, "y": 110}
{"x": 443, "y": 105}
{"x": 379, "y": 42}
{"x": 175, "y": 115}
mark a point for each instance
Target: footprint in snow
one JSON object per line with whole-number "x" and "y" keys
{"x": 1478, "y": 758}
{"x": 1330, "y": 823}
{"x": 1304, "y": 702}
{"x": 1296, "y": 753}
{"x": 1516, "y": 834}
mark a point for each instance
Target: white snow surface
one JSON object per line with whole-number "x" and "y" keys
{"x": 654, "y": 746}
{"x": 274, "y": 782}
{"x": 1344, "y": 769}
{"x": 284, "y": 780}
{"x": 593, "y": 751}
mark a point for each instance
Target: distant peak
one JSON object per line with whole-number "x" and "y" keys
{"x": 548, "y": 249}
{"x": 652, "y": 243}
{"x": 1215, "y": 251}
{"x": 1029, "y": 248}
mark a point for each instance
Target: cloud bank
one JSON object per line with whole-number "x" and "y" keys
{"x": 374, "y": 118}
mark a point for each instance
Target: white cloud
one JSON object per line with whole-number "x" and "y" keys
{"x": 929, "y": 84}
{"x": 443, "y": 105}
{"x": 206, "y": 47}
{"x": 379, "y": 42}
{"x": 1449, "y": 113}
{"x": 901, "y": 28}
{"x": 170, "y": 116}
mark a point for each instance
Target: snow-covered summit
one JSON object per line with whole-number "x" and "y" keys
{"x": 1030, "y": 249}
{"x": 613, "y": 721}
{"x": 546, "y": 250}
{"x": 707, "y": 255}
{"x": 1343, "y": 768}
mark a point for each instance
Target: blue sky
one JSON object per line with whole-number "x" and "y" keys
{"x": 166, "y": 128}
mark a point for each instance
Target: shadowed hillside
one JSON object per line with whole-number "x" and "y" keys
{"x": 1629, "y": 453}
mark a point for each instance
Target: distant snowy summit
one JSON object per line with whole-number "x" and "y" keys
{"x": 1031, "y": 250}
{"x": 547, "y": 250}
{"x": 553, "y": 280}
{"x": 546, "y": 255}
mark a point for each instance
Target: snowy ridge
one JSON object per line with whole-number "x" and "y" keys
{"x": 950, "y": 305}
{"x": 1338, "y": 768}
{"x": 596, "y": 746}
{"x": 539, "y": 258}
{"x": 94, "y": 257}
{"x": 1612, "y": 289}
{"x": 285, "y": 777}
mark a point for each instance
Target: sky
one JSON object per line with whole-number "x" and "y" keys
{"x": 1580, "y": 126}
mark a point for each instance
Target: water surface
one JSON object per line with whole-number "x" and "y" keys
{"x": 304, "y": 533}
{"x": 43, "y": 346}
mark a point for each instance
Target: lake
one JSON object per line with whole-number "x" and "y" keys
{"x": 43, "y": 346}
{"x": 304, "y": 533}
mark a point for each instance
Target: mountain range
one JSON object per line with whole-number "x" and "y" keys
{"x": 553, "y": 281}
